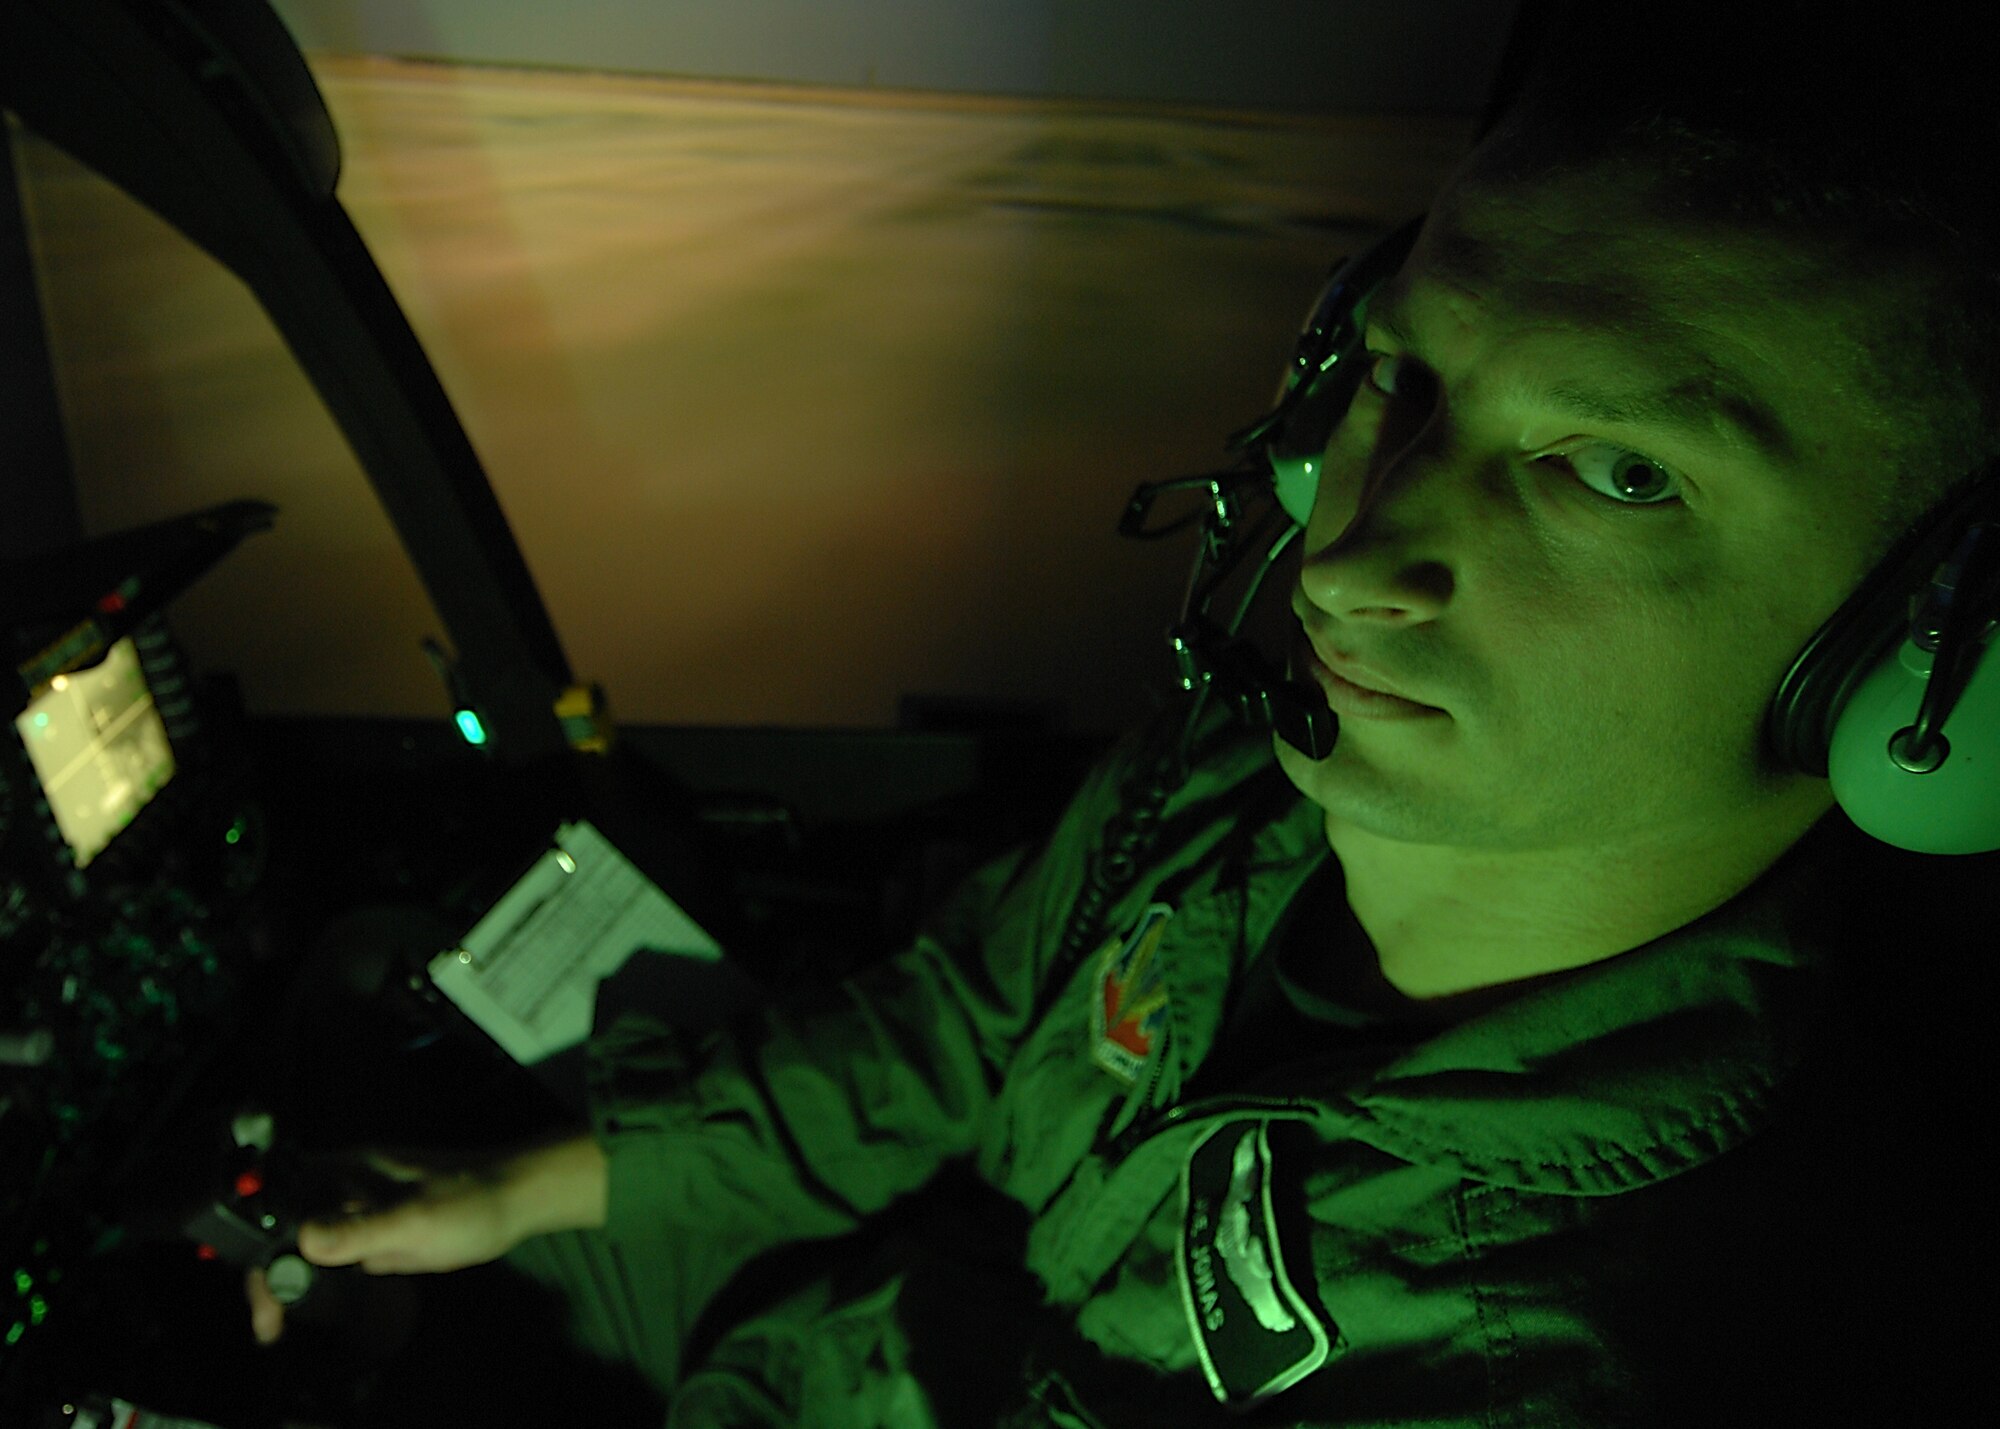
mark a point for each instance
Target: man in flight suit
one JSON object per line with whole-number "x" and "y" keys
{"x": 1404, "y": 1085}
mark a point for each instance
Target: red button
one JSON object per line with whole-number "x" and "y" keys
{"x": 249, "y": 1184}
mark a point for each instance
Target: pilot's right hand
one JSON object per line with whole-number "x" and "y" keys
{"x": 453, "y": 1218}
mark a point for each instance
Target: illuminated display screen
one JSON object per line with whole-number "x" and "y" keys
{"x": 99, "y": 748}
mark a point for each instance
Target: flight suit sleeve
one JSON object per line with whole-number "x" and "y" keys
{"x": 798, "y": 1120}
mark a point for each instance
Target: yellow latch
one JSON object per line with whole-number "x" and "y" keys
{"x": 586, "y": 718}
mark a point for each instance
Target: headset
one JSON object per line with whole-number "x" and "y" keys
{"x": 1895, "y": 700}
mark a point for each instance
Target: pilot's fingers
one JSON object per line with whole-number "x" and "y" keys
{"x": 455, "y": 1221}
{"x": 411, "y": 1237}
{"x": 342, "y": 1243}
{"x": 267, "y": 1316}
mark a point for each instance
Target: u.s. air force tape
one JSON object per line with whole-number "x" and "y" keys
{"x": 1256, "y": 1334}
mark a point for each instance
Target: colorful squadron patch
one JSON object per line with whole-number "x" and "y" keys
{"x": 1256, "y": 1334}
{"x": 1129, "y": 1012}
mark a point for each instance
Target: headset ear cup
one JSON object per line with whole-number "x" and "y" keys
{"x": 1320, "y": 384}
{"x": 1869, "y": 627}
{"x": 1297, "y": 481}
{"x": 1859, "y": 681}
{"x": 1954, "y": 808}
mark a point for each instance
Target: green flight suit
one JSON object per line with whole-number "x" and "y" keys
{"x": 1185, "y": 1172}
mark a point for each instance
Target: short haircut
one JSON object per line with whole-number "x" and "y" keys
{"x": 1866, "y": 134}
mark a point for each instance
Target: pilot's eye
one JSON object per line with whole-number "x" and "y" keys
{"x": 1627, "y": 477}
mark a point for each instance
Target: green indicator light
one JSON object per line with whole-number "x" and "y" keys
{"x": 41, "y": 721}
{"x": 235, "y": 834}
{"x": 38, "y": 1310}
{"x": 23, "y": 1282}
{"x": 470, "y": 727}
{"x": 14, "y": 1335}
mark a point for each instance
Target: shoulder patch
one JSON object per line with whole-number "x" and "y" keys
{"x": 1129, "y": 1003}
{"x": 1255, "y": 1333}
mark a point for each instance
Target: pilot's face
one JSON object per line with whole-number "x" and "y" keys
{"x": 1610, "y": 473}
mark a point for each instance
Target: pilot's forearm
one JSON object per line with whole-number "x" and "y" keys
{"x": 559, "y": 1187}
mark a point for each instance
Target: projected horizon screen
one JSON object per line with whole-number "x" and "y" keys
{"x": 99, "y": 748}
